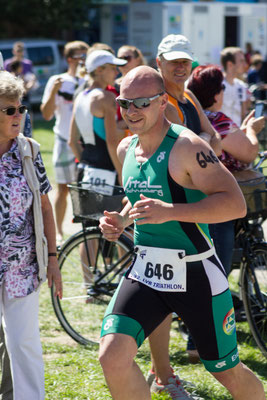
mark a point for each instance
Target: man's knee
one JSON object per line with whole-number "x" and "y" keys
{"x": 116, "y": 353}
{"x": 235, "y": 378}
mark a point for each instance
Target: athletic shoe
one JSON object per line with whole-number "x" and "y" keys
{"x": 174, "y": 388}
{"x": 151, "y": 376}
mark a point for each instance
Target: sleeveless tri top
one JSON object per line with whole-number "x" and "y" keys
{"x": 187, "y": 112}
{"x": 92, "y": 130}
{"x": 152, "y": 179}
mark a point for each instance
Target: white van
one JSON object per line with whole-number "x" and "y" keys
{"x": 46, "y": 56}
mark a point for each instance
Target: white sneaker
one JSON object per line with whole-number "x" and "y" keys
{"x": 151, "y": 376}
{"x": 174, "y": 388}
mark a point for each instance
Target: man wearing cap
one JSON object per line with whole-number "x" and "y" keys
{"x": 58, "y": 101}
{"x": 174, "y": 60}
{"x": 170, "y": 194}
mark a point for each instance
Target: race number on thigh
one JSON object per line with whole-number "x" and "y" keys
{"x": 100, "y": 180}
{"x": 161, "y": 269}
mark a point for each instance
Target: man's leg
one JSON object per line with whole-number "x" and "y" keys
{"x": 123, "y": 376}
{"x": 60, "y": 206}
{"x": 6, "y": 387}
{"x": 241, "y": 383}
{"x": 159, "y": 346}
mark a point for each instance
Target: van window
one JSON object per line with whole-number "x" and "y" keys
{"x": 6, "y": 53}
{"x": 41, "y": 55}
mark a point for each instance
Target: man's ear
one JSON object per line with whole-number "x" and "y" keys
{"x": 164, "y": 100}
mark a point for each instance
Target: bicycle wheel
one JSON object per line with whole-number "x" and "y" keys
{"x": 89, "y": 281}
{"x": 254, "y": 294}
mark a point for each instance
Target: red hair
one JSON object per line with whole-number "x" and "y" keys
{"x": 205, "y": 82}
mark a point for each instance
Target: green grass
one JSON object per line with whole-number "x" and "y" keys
{"x": 72, "y": 371}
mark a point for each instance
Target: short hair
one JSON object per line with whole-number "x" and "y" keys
{"x": 71, "y": 47}
{"x": 137, "y": 53}
{"x": 228, "y": 54}
{"x": 18, "y": 45}
{"x": 14, "y": 65}
{"x": 11, "y": 87}
{"x": 205, "y": 82}
{"x": 256, "y": 59}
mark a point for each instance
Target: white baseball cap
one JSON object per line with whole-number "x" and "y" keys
{"x": 1, "y": 62}
{"x": 101, "y": 57}
{"x": 173, "y": 47}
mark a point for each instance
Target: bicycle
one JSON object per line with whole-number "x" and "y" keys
{"x": 91, "y": 272}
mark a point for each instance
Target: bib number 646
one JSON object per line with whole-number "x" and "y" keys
{"x": 165, "y": 271}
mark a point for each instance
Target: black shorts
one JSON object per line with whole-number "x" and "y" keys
{"x": 206, "y": 308}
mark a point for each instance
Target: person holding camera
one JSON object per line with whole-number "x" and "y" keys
{"x": 58, "y": 101}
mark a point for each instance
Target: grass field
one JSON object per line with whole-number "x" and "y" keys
{"x": 72, "y": 371}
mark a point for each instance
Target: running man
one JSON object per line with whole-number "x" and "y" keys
{"x": 175, "y": 186}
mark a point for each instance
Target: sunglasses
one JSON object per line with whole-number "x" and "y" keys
{"x": 12, "y": 110}
{"x": 141, "y": 102}
{"x": 79, "y": 56}
{"x": 126, "y": 58}
{"x": 222, "y": 86}
{"x": 129, "y": 58}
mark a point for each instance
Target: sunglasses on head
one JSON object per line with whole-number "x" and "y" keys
{"x": 141, "y": 102}
{"x": 12, "y": 110}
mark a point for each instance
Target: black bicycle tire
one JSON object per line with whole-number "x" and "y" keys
{"x": 250, "y": 304}
{"x": 67, "y": 248}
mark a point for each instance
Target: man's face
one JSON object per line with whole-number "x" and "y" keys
{"x": 240, "y": 63}
{"x": 175, "y": 71}
{"x": 78, "y": 57}
{"x": 18, "y": 52}
{"x": 141, "y": 120}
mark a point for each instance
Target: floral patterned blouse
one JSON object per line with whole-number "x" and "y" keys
{"x": 225, "y": 125}
{"x": 18, "y": 263}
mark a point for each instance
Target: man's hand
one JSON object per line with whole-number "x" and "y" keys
{"x": 54, "y": 275}
{"x": 151, "y": 211}
{"x": 111, "y": 225}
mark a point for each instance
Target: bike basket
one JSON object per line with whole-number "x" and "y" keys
{"x": 89, "y": 204}
{"x": 255, "y": 193}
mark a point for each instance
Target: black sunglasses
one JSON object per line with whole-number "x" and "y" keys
{"x": 126, "y": 58}
{"x": 222, "y": 86}
{"x": 141, "y": 102}
{"x": 129, "y": 58}
{"x": 12, "y": 110}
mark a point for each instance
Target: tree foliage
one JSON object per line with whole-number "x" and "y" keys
{"x": 42, "y": 18}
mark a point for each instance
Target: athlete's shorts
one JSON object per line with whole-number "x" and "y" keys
{"x": 63, "y": 162}
{"x": 206, "y": 308}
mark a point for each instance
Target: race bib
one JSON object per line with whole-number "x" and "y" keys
{"x": 160, "y": 269}
{"x": 100, "y": 180}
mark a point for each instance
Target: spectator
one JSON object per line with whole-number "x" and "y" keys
{"x": 235, "y": 95}
{"x": 58, "y": 100}
{"x": 28, "y": 243}
{"x": 22, "y": 67}
{"x": 134, "y": 58}
{"x": 239, "y": 147}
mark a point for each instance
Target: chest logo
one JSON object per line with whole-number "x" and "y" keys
{"x": 161, "y": 156}
{"x": 135, "y": 186}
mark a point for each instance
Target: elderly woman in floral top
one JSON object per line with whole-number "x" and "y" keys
{"x": 239, "y": 144}
{"x": 27, "y": 222}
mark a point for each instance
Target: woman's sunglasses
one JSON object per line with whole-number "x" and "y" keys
{"x": 141, "y": 102}
{"x": 12, "y": 110}
{"x": 129, "y": 57}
